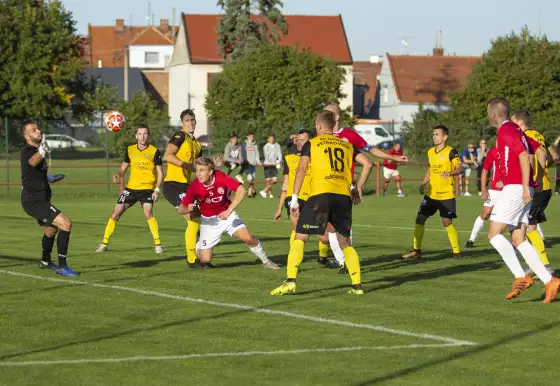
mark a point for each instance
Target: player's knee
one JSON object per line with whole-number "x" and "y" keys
{"x": 115, "y": 216}
{"x": 65, "y": 224}
{"x": 148, "y": 214}
{"x": 420, "y": 220}
{"x": 251, "y": 242}
{"x": 51, "y": 232}
{"x": 323, "y": 239}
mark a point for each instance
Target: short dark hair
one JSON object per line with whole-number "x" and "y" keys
{"x": 142, "y": 126}
{"x": 327, "y": 117}
{"x": 306, "y": 131}
{"x": 524, "y": 116}
{"x": 24, "y": 125}
{"x": 187, "y": 112}
{"x": 233, "y": 136}
{"x": 271, "y": 135}
{"x": 251, "y": 133}
{"x": 500, "y": 101}
{"x": 442, "y": 128}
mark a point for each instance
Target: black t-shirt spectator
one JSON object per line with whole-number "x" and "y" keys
{"x": 34, "y": 180}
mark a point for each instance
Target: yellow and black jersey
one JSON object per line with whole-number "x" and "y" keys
{"x": 445, "y": 160}
{"x": 189, "y": 150}
{"x": 291, "y": 162}
{"x": 143, "y": 164}
{"x": 331, "y": 164}
{"x": 539, "y": 175}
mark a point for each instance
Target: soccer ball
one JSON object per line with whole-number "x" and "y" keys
{"x": 114, "y": 121}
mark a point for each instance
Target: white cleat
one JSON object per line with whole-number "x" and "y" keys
{"x": 101, "y": 248}
{"x": 239, "y": 178}
{"x": 262, "y": 193}
{"x": 159, "y": 249}
{"x": 271, "y": 265}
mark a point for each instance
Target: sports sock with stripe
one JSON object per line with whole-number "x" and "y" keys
{"x": 535, "y": 239}
{"x": 47, "y": 243}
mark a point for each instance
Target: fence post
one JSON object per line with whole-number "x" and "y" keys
{"x": 107, "y": 157}
{"x": 377, "y": 179}
{"x": 6, "y": 129}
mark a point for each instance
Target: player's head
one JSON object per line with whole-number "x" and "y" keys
{"x": 233, "y": 139}
{"x": 142, "y": 134}
{"x": 498, "y": 111}
{"x": 303, "y": 136}
{"x": 522, "y": 118}
{"x": 251, "y": 137}
{"x": 188, "y": 121}
{"x": 440, "y": 135}
{"x": 325, "y": 122}
{"x": 30, "y": 131}
{"x": 334, "y": 108}
{"x": 270, "y": 139}
{"x": 204, "y": 169}
{"x": 397, "y": 146}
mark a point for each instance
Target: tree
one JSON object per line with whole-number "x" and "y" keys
{"x": 522, "y": 67}
{"x": 274, "y": 89}
{"x": 239, "y": 33}
{"x": 39, "y": 57}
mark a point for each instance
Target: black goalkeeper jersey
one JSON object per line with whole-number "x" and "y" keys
{"x": 34, "y": 180}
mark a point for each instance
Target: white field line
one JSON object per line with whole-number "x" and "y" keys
{"x": 249, "y": 308}
{"x": 223, "y": 354}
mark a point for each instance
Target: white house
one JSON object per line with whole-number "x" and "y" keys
{"x": 196, "y": 57}
{"x": 406, "y": 81}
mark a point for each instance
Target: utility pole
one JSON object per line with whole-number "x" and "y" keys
{"x": 126, "y": 51}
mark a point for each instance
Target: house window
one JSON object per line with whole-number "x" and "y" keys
{"x": 151, "y": 57}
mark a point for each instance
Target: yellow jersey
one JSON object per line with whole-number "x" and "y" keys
{"x": 143, "y": 164}
{"x": 331, "y": 164}
{"x": 291, "y": 162}
{"x": 446, "y": 160}
{"x": 539, "y": 175}
{"x": 189, "y": 150}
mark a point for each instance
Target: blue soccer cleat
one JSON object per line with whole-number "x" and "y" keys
{"x": 49, "y": 265}
{"x": 66, "y": 271}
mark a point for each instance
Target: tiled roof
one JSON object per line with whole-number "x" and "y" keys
{"x": 428, "y": 79}
{"x": 324, "y": 35}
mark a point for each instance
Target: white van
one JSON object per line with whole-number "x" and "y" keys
{"x": 373, "y": 134}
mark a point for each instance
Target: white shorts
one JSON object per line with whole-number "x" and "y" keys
{"x": 510, "y": 208}
{"x": 467, "y": 170}
{"x": 493, "y": 196}
{"x": 390, "y": 173}
{"x": 212, "y": 229}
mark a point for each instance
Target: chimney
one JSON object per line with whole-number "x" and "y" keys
{"x": 438, "y": 49}
{"x": 375, "y": 59}
{"x": 120, "y": 25}
{"x": 164, "y": 25}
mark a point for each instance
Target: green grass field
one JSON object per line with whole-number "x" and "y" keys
{"x": 134, "y": 318}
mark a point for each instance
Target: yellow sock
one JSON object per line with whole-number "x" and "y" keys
{"x": 292, "y": 237}
{"x": 190, "y": 239}
{"x": 109, "y": 229}
{"x": 453, "y": 238}
{"x": 323, "y": 250}
{"x": 537, "y": 241}
{"x": 353, "y": 264}
{"x": 154, "y": 228}
{"x": 295, "y": 257}
{"x": 418, "y": 236}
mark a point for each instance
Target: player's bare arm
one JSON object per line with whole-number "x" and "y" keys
{"x": 120, "y": 173}
{"x": 553, "y": 153}
{"x": 240, "y": 194}
{"x": 457, "y": 171}
{"x": 524, "y": 162}
{"x": 278, "y": 213}
{"x": 36, "y": 159}
{"x": 170, "y": 157}
{"x": 298, "y": 182}
{"x": 422, "y": 187}
{"x": 484, "y": 184}
{"x": 377, "y": 152}
{"x": 159, "y": 181}
{"x": 363, "y": 160}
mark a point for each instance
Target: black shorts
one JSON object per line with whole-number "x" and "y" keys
{"x": 174, "y": 192}
{"x": 131, "y": 196}
{"x": 40, "y": 209}
{"x": 270, "y": 172}
{"x": 538, "y": 206}
{"x": 325, "y": 208}
{"x": 287, "y": 204}
{"x": 429, "y": 207}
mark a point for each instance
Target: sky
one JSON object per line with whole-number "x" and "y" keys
{"x": 372, "y": 26}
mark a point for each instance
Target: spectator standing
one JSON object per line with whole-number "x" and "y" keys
{"x": 468, "y": 159}
{"x": 272, "y": 160}
{"x": 390, "y": 170}
{"x": 481, "y": 154}
{"x": 251, "y": 159}
{"x": 232, "y": 155}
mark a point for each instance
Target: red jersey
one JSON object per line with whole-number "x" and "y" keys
{"x": 510, "y": 142}
{"x": 214, "y": 197}
{"x": 387, "y": 163}
{"x": 490, "y": 163}
{"x": 355, "y": 140}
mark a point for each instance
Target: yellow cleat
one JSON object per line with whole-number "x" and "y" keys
{"x": 354, "y": 291}
{"x": 288, "y": 287}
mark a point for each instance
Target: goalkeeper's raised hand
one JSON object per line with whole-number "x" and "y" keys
{"x": 44, "y": 148}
